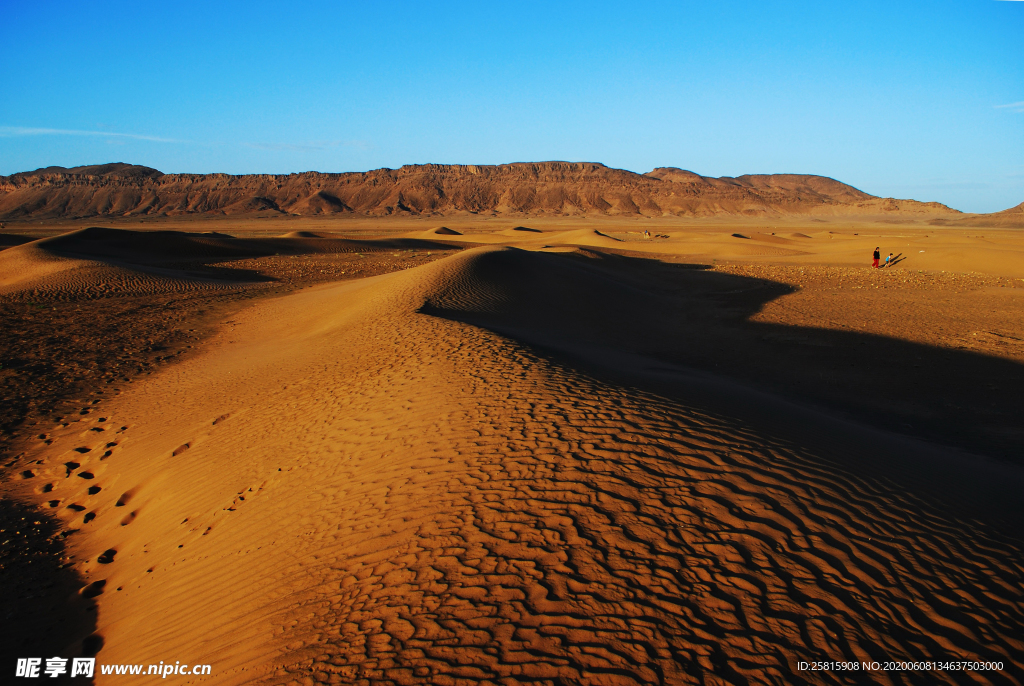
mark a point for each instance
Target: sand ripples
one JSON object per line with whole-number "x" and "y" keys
{"x": 393, "y": 497}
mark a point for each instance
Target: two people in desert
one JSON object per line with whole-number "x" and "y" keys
{"x": 876, "y": 256}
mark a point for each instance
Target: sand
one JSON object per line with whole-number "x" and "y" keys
{"x": 570, "y": 455}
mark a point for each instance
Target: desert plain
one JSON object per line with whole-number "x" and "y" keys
{"x": 515, "y": 448}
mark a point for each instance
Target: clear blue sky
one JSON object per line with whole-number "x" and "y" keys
{"x": 904, "y": 99}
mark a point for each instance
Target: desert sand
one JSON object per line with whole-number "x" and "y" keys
{"x": 485, "y": 450}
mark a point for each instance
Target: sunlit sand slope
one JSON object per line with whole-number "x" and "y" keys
{"x": 354, "y": 485}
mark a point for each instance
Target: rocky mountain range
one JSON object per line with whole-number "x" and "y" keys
{"x": 545, "y": 188}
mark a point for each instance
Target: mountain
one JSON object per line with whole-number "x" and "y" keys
{"x": 1012, "y": 218}
{"x": 549, "y": 188}
{"x": 111, "y": 170}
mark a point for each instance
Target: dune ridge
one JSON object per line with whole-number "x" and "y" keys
{"x": 35, "y": 269}
{"x": 545, "y": 188}
{"x": 388, "y": 480}
{"x": 98, "y": 262}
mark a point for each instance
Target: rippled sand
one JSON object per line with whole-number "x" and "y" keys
{"x": 475, "y": 471}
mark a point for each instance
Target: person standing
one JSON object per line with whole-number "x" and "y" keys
{"x": 875, "y": 257}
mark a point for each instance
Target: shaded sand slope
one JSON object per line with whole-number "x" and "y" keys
{"x": 35, "y": 269}
{"x": 348, "y": 486}
{"x": 154, "y": 247}
{"x": 100, "y": 262}
{"x": 8, "y": 240}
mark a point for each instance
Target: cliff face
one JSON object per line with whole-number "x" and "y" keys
{"x": 552, "y": 188}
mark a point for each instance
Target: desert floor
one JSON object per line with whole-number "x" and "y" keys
{"x": 544, "y": 451}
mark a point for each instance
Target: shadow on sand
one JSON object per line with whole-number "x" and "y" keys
{"x": 46, "y": 612}
{"x": 698, "y": 319}
{"x": 174, "y": 248}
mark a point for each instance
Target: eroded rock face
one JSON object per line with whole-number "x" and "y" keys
{"x": 556, "y": 188}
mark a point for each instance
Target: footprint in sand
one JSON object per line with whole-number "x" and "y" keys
{"x": 94, "y": 589}
{"x": 125, "y": 497}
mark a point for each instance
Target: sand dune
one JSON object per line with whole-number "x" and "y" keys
{"x": 470, "y": 472}
{"x": 531, "y": 239}
{"x": 39, "y": 268}
{"x": 98, "y": 262}
{"x": 301, "y": 234}
{"x": 591, "y": 237}
{"x": 430, "y": 233}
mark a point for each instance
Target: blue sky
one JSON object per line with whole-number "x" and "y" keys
{"x": 904, "y": 99}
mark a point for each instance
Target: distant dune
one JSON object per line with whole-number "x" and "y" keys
{"x": 545, "y": 188}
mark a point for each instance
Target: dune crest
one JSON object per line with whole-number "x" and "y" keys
{"x": 302, "y": 234}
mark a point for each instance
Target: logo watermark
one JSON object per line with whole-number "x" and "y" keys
{"x": 53, "y": 667}
{"x": 30, "y": 667}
